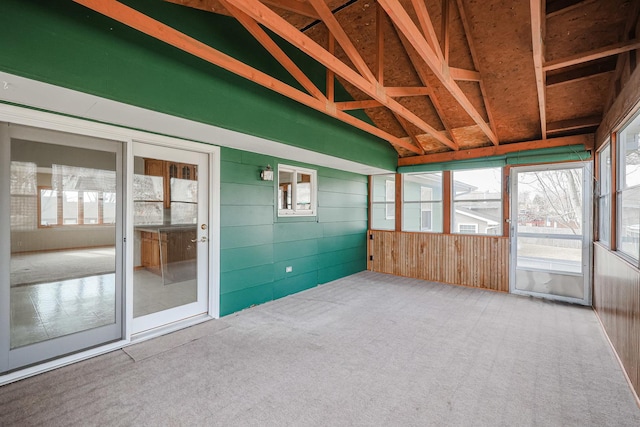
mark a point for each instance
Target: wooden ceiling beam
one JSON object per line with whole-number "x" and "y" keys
{"x": 474, "y": 57}
{"x": 461, "y": 74}
{"x": 342, "y": 38}
{"x": 592, "y": 55}
{"x": 379, "y": 45}
{"x": 358, "y": 105}
{"x": 288, "y": 32}
{"x": 573, "y": 124}
{"x": 405, "y": 127}
{"x": 147, "y": 25}
{"x": 426, "y": 24}
{"x": 397, "y": 92}
{"x": 406, "y": 26}
{"x": 478, "y": 153}
{"x": 263, "y": 38}
{"x": 446, "y": 13}
{"x": 537, "y": 39}
{"x": 581, "y": 72}
{"x": 331, "y": 77}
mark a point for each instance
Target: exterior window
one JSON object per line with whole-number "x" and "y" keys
{"x": 628, "y": 191}
{"x": 24, "y": 193}
{"x": 422, "y": 204}
{"x": 383, "y": 206}
{"x": 477, "y": 200}
{"x": 296, "y": 191}
{"x": 604, "y": 195}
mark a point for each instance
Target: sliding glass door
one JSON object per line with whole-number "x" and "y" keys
{"x": 61, "y": 237}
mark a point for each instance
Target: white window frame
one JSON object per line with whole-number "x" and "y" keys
{"x": 294, "y": 211}
{"x": 390, "y": 198}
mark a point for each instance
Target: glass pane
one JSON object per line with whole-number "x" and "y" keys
{"x": 561, "y": 255}
{"x": 108, "y": 208}
{"x": 380, "y": 185}
{"x": 57, "y": 289}
{"x": 285, "y": 182}
{"x": 550, "y": 202}
{"x": 422, "y": 217}
{"x": 165, "y": 230}
{"x": 48, "y": 207}
{"x": 303, "y": 191}
{"x": 379, "y": 216}
{"x": 629, "y": 225}
{"x": 477, "y": 217}
{"x": 70, "y": 207}
{"x": 629, "y": 143}
{"x": 90, "y": 207}
{"x": 477, "y": 184}
{"x": 604, "y": 219}
{"x": 605, "y": 170}
{"x": 424, "y": 187}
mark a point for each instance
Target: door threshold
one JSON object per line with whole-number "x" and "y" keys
{"x": 169, "y": 328}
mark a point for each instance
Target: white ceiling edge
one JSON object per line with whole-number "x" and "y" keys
{"x": 35, "y": 94}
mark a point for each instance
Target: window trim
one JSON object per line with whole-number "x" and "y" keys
{"x": 607, "y": 145}
{"x": 294, "y": 211}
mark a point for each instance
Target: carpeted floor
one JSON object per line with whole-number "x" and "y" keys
{"x": 369, "y": 349}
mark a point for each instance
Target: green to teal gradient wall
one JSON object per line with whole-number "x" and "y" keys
{"x": 256, "y": 246}
{"x": 68, "y": 45}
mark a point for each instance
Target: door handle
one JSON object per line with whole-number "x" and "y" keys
{"x": 202, "y": 240}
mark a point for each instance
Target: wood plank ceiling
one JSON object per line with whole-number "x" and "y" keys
{"x": 437, "y": 76}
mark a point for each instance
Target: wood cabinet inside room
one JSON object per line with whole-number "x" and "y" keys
{"x": 168, "y": 170}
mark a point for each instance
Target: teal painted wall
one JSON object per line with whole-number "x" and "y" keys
{"x": 68, "y": 45}
{"x": 257, "y": 246}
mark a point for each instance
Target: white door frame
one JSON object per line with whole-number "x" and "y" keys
{"x": 587, "y": 193}
{"x": 183, "y": 152}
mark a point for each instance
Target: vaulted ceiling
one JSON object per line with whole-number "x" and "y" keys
{"x": 437, "y": 76}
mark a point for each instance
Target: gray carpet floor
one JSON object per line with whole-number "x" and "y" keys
{"x": 369, "y": 349}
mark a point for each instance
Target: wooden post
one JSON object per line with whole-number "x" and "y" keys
{"x": 447, "y": 196}
{"x": 399, "y": 197}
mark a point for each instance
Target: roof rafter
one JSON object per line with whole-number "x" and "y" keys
{"x": 537, "y": 39}
{"x": 406, "y": 25}
{"x": 263, "y": 38}
{"x": 284, "y": 29}
{"x": 594, "y": 54}
{"x": 147, "y": 25}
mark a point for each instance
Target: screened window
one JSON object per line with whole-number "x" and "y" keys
{"x": 422, "y": 202}
{"x": 628, "y": 191}
{"x": 296, "y": 191}
{"x": 604, "y": 195}
{"x": 477, "y": 200}
{"x": 383, "y": 206}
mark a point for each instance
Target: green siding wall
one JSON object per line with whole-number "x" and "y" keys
{"x": 257, "y": 246}
{"x": 68, "y": 45}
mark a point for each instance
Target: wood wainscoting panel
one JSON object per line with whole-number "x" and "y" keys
{"x": 616, "y": 299}
{"x": 469, "y": 260}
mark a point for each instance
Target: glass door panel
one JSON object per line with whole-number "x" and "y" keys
{"x": 170, "y": 203}
{"x": 550, "y": 239}
{"x": 65, "y": 234}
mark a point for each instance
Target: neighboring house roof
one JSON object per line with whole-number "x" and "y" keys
{"x": 481, "y": 216}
